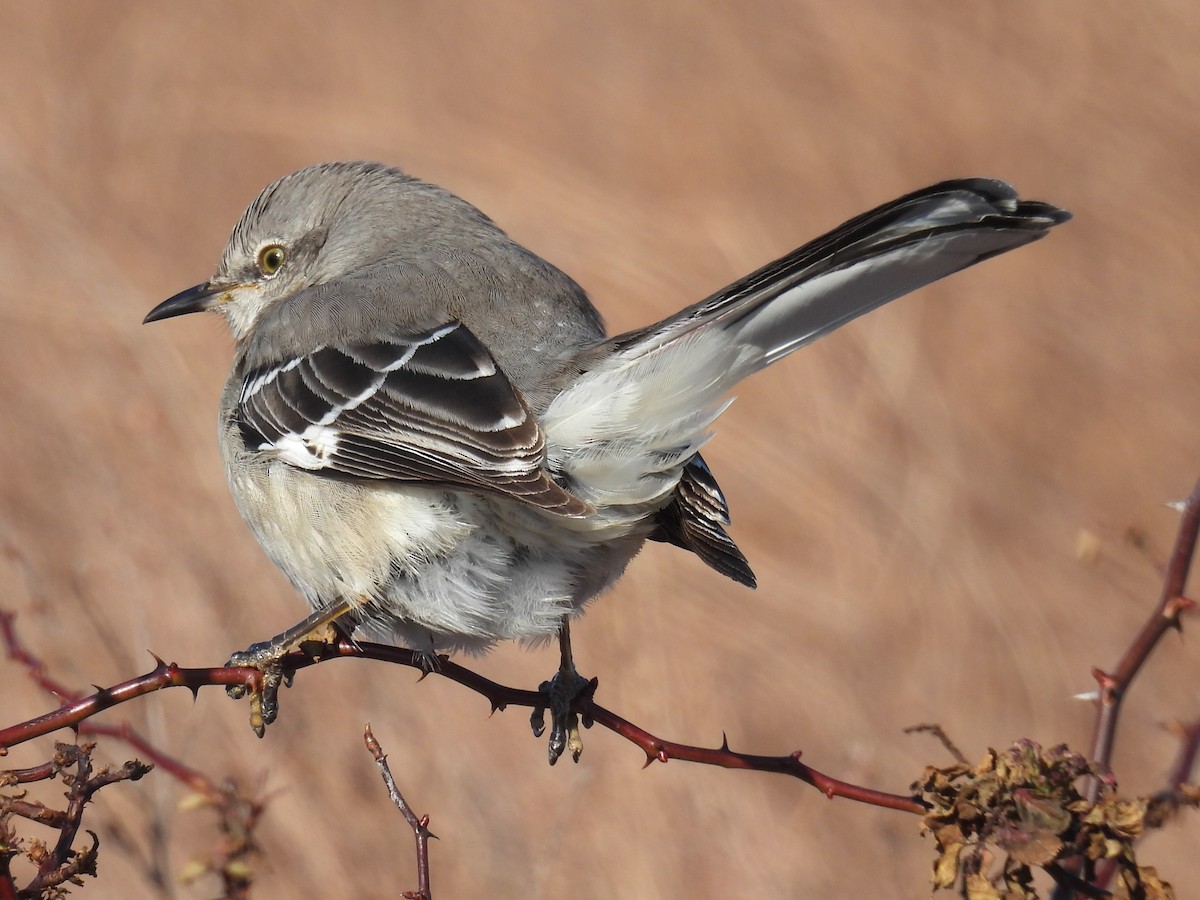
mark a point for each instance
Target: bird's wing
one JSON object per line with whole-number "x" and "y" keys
{"x": 430, "y": 407}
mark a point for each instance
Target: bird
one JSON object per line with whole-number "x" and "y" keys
{"x": 429, "y": 431}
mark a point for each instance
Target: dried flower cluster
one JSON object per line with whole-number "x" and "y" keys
{"x": 1024, "y": 804}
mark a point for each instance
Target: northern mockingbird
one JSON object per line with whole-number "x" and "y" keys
{"x": 428, "y": 431}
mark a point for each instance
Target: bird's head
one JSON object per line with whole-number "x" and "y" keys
{"x": 315, "y": 226}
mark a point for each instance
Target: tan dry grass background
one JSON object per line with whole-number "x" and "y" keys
{"x": 910, "y": 490}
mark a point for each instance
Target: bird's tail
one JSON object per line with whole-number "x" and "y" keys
{"x": 621, "y": 433}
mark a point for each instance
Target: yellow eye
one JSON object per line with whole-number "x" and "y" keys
{"x": 270, "y": 259}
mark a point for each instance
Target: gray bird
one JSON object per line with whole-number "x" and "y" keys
{"x": 428, "y": 431}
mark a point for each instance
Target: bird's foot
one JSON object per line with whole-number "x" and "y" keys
{"x": 312, "y": 636}
{"x": 562, "y": 693}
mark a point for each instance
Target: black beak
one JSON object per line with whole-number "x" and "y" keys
{"x": 194, "y": 299}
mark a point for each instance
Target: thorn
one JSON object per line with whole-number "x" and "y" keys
{"x": 195, "y": 689}
{"x": 158, "y": 660}
{"x": 1175, "y": 608}
{"x": 1090, "y": 696}
{"x": 423, "y": 676}
{"x": 649, "y": 759}
{"x": 724, "y": 742}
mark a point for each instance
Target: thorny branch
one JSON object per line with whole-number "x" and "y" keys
{"x": 238, "y": 814}
{"x": 1166, "y": 615}
{"x": 165, "y": 675}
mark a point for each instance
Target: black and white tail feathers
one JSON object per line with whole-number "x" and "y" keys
{"x": 869, "y": 261}
{"x": 628, "y": 430}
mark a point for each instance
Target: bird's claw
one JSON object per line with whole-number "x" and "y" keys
{"x": 264, "y": 701}
{"x": 267, "y": 657}
{"x": 562, "y": 692}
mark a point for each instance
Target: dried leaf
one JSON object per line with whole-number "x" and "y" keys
{"x": 1018, "y": 882}
{"x": 1141, "y": 884}
{"x": 979, "y": 888}
{"x": 1029, "y": 848}
{"x": 1040, "y": 814}
{"x": 1155, "y": 889}
{"x": 948, "y": 834}
{"x": 945, "y": 870}
{"x": 1126, "y": 817}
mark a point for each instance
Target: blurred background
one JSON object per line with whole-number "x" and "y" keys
{"x": 912, "y": 491}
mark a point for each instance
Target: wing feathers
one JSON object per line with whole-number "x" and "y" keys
{"x": 431, "y": 407}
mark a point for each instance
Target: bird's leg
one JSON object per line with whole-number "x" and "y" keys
{"x": 322, "y": 627}
{"x": 561, "y": 692}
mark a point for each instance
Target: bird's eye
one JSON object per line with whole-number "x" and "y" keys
{"x": 270, "y": 259}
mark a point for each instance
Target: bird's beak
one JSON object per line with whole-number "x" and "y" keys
{"x": 194, "y": 299}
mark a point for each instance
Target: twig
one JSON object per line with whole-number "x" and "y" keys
{"x": 1189, "y": 746}
{"x": 419, "y": 825}
{"x": 940, "y": 733}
